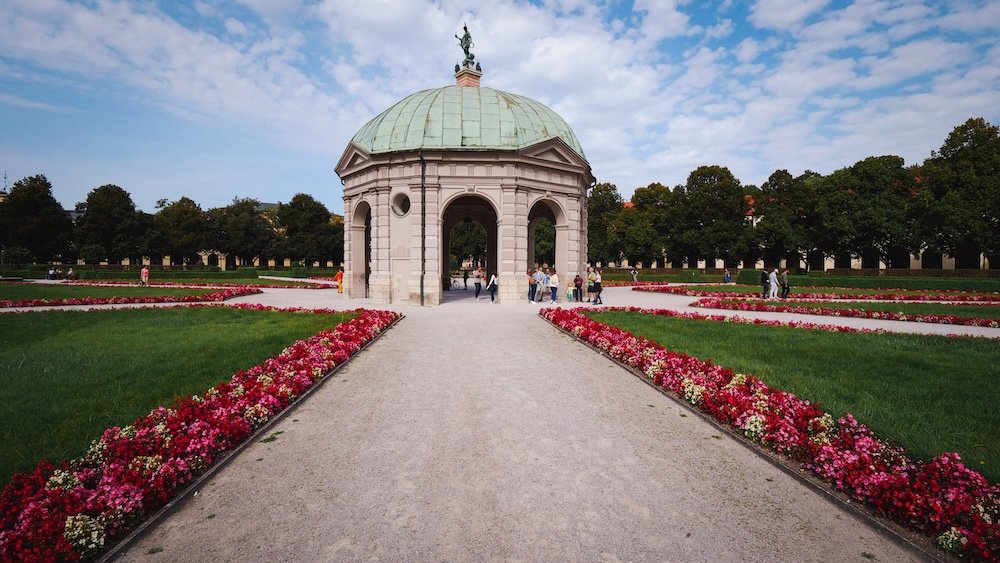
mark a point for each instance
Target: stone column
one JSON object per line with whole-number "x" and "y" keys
{"x": 380, "y": 282}
{"x": 513, "y": 249}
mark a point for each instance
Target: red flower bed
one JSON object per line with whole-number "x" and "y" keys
{"x": 955, "y": 297}
{"x": 747, "y": 305}
{"x": 221, "y": 295}
{"x": 71, "y": 511}
{"x": 941, "y": 498}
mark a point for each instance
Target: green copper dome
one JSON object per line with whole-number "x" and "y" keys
{"x": 463, "y": 118}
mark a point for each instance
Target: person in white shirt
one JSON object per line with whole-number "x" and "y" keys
{"x": 492, "y": 288}
{"x": 773, "y": 279}
{"x": 554, "y": 285}
{"x": 597, "y": 287}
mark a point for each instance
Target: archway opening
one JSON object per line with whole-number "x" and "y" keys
{"x": 469, "y": 232}
{"x": 467, "y": 251}
{"x": 361, "y": 250}
{"x": 542, "y": 240}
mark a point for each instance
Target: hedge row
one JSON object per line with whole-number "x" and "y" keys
{"x": 752, "y": 277}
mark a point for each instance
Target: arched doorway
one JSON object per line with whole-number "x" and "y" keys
{"x": 544, "y": 213}
{"x": 467, "y": 249}
{"x": 361, "y": 251}
{"x": 469, "y": 209}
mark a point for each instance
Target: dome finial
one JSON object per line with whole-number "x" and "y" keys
{"x": 470, "y": 71}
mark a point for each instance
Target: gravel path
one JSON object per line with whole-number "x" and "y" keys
{"x": 478, "y": 432}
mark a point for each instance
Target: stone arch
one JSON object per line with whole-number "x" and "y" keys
{"x": 546, "y": 207}
{"x": 469, "y": 206}
{"x": 361, "y": 250}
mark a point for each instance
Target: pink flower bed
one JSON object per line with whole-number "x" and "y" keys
{"x": 221, "y": 295}
{"x": 71, "y": 511}
{"x": 954, "y": 297}
{"x": 941, "y": 498}
{"x": 747, "y": 305}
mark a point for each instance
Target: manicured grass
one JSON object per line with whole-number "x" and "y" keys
{"x": 961, "y": 310}
{"x": 930, "y": 394}
{"x": 66, "y": 376}
{"x": 24, "y": 291}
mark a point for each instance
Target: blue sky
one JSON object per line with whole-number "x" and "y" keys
{"x": 217, "y": 99}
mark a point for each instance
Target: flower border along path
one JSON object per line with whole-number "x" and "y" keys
{"x": 736, "y": 304}
{"x": 75, "y": 510}
{"x": 221, "y": 295}
{"x": 941, "y": 498}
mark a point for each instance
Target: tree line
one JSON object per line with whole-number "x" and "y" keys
{"x": 34, "y": 228}
{"x": 878, "y": 210}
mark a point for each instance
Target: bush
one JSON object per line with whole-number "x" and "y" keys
{"x": 299, "y": 272}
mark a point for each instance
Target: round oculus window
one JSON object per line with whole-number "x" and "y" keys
{"x": 401, "y": 205}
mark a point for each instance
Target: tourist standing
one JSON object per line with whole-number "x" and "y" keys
{"x": 763, "y": 284}
{"x": 477, "y": 280}
{"x": 784, "y": 284}
{"x": 635, "y": 275}
{"x": 772, "y": 280}
{"x": 598, "y": 280}
{"x": 144, "y": 276}
{"x": 726, "y": 276}
{"x": 465, "y": 279}
{"x": 531, "y": 287}
{"x": 554, "y": 285}
{"x": 340, "y": 280}
{"x": 492, "y": 288}
{"x": 539, "y": 283}
{"x": 578, "y": 288}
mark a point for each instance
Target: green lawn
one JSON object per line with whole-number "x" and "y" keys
{"x": 930, "y": 394}
{"x": 23, "y": 291}
{"x": 66, "y": 376}
{"x": 969, "y": 311}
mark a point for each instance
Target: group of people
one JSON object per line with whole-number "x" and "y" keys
{"x": 54, "y": 273}
{"x": 770, "y": 282}
{"x": 541, "y": 280}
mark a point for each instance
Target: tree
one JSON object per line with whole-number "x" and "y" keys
{"x": 32, "y": 219}
{"x": 787, "y": 206}
{"x": 603, "y": 206}
{"x": 109, "y": 219}
{"x": 633, "y": 232}
{"x": 310, "y": 234}
{"x": 181, "y": 230}
{"x": 715, "y": 211}
{"x": 468, "y": 242}
{"x": 964, "y": 182}
{"x": 658, "y": 206}
{"x": 545, "y": 242}
{"x": 240, "y": 229}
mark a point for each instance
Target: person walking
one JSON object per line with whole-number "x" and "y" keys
{"x": 726, "y": 276}
{"x": 144, "y": 276}
{"x": 340, "y": 280}
{"x": 477, "y": 280}
{"x": 598, "y": 280}
{"x": 532, "y": 287}
{"x": 554, "y": 285}
{"x": 492, "y": 288}
{"x": 465, "y": 279}
{"x": 763, "y": 283}
{"x": 772, "y": 281}
{"x": 635, "y": 275}
{"x": 578, "y": 288}
{"x": 784, "y": 284}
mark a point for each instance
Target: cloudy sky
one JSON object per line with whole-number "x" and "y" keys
{"x": 216, "y": 99}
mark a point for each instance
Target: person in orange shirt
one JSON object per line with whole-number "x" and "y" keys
{"x": 340, "y": 280}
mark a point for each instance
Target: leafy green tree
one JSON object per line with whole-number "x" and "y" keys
{"x": 109, "y": 219}
{"x": 181, "y": 230}
{"x": 545, "y": 242}
{"x": 603, "y": 206}
{"x": 634, "y": 233}
{"x": 715, "y": 215}
{"x": 963, "y": 178}
{"x": 468, "y": 242}
{"x": 242, "y": 230}
{"x": 32, "y": 219}
{"x": 789, "y": 219}
{"x": 309, "y": 232}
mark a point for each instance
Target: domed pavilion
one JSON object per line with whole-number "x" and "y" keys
{"x": 456, "y": 154}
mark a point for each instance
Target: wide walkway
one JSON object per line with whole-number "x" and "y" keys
{"x": 476, "y": 432}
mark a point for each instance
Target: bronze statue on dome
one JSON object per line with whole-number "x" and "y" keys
{"x": 465, "y": 42}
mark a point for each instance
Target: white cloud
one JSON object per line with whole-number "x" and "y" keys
{"x": 784, "y": 14}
